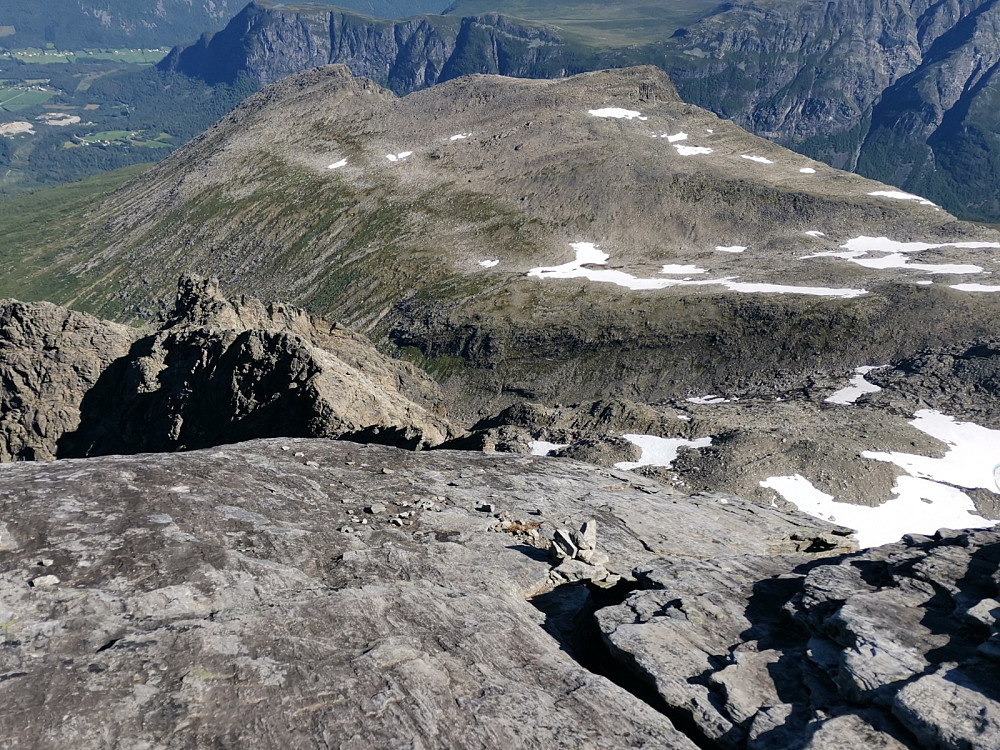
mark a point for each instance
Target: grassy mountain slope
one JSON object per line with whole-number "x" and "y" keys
{"x": 396, "y": 248}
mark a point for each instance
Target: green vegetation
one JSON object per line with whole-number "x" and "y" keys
{"x": 613, "y": 23}
{"x": 128, "y": 114}
{"x": 18, "y": 98}
{"x": 39, "y": 225}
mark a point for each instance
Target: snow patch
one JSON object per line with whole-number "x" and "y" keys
{"x": 730, "y": 248}
{"x": 691, "y": 150}
{"x": 460, "y": 136}
{"x": 709, "y": 399}
{"x": 489, "y": 263}
{"x": 807, "y": 170}
{"x": 587, "y": 253}
{"x": 618, "y": 113}
{"x": 901, "y": 196}
{"x": 675, "y": 138}
{"x": 927, "y": 498}
{"x": 338, "y": 164}
{"x": 857, "y": 387}
{"x": 920, "y": 507}
{"x": 398, "y": 157}
{"x": 658, "y": 451}
{"x": 758, "y": 159}
{"x": 815, "y": 233}
{"x": 856, "y": 250}
{"x": 975, "y": 288}
{"x": 674, "y": 268}
{"x": 543, "y": 447}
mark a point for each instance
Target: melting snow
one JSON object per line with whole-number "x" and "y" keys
{"x": 691, "y": 150}
{"x": 338, "y": 164}
{"x": 543, "y": 448}
{"x": 618, "y": 112}
{"x": 920, "y": 507}
{"x": 759, "y": 159}
{"x": 658, "y": 451}
{"x": 398, "y": 157}
{"x": 857, "y": 388}
{"x": 709, "y": 399}
{"x": 925, "y": 499}
{"x": 856, "y": 249}
{"x": 489, "y": 263}
{"x": 678, "y": 269}
{"x": 807, "y": 170}
{"x": 587, "y": 253}
{"x": 975, "y": 288}
{"x": 901, "y": 196}
{"x": 730, "y": 248}
{"x": 460, "y": 136}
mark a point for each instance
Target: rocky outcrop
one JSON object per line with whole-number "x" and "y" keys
{"x": 216, "y": 371}
{"x": 49, "y": 358}
{"x": 895, "y": 647}
{"x": 293, "y": 592}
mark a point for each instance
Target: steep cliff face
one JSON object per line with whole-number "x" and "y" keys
{"x": 268, "y": 42}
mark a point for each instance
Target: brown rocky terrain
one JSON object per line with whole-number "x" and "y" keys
{"x": 395, "y": 248}
{"x": 215, "y": 371}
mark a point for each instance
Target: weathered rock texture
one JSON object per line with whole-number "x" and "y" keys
{"x": 49, "y": 357}
{"x": 216, "y": 371}
{"x": 302, "y": 592}
{"x": 895, "y": 647}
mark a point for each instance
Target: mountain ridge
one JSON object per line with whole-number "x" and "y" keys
{"x": 437, "y": 223}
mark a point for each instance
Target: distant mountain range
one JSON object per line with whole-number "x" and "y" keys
{"x": 73, "y": 24}
{"x": 903, "y": 92}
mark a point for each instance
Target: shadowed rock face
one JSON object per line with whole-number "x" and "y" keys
{"x": 217, "y": 371}
{"x": 285, "y": 593}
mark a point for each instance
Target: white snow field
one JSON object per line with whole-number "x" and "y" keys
{"x": 675, "y": 138}
{"x": 899, "y": 195}
{"x": 927, "y": 497}
{"x": 618, "y": 113}
{"x": 588, "y": 254}
{"x": 758, "y": 159}
{"x": 895, "y": 254}
{"x": 856, "y": 389}
{"x": 659, "y": 451}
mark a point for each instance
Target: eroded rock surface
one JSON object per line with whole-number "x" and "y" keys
{"x": 217, "y": 371}
{"x": 289, "y": 593}
{"x": 49, "y": 358}
{"x": 891, "y": 648}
